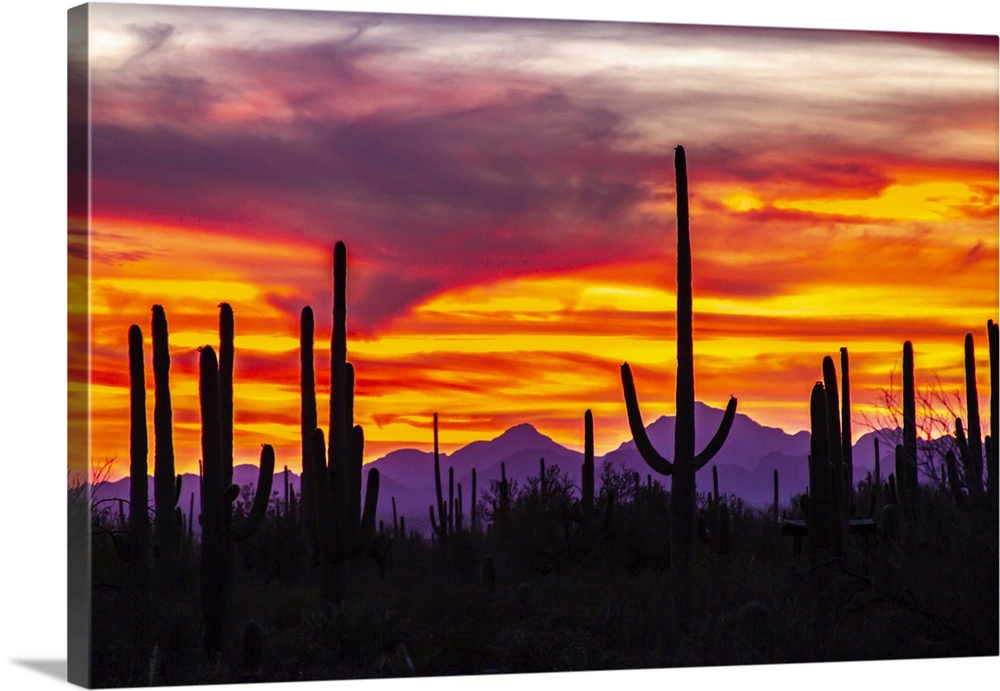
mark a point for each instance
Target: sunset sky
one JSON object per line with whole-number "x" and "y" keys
{"x": 505, "y": 191}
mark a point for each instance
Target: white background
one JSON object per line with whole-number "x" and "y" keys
{"x": 33, "y": 318}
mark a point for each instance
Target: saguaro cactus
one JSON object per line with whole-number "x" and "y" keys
{"x": 972, "y": 450}
{"x": 847, "y": 452}
{"x": 214, "y": 561}
{"x": 838, "y": 488}
{"x": 440, "y": 526}
{"x": 906, "y": 461}
{"x": 227, "y": 353}
{"x": 138, "y": 522}
{"x": 343, "y": 529}
{"x": 165, "y": 492}
{"x": 587, "y": 473}
{"x": 307, "y": 387}
{"x": 218, "y": 492}
{"x": 686, "y": 462}
{"x": 821, "y": 511}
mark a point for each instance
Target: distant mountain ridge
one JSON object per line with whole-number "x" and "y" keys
{"x": 745, "y": 463}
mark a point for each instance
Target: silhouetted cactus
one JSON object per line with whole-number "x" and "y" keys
{"x": 138, "y": 523}
{"x": 344, "y": 530}
{"x": 441, "y": 523}
{"x": 502, "y": 521}
{"x": 338, "y": 456}
{"x": 906, "y": 461}
{"x": 972, "y": 448}
{"x": 165, "y": 493}
{"x": 838, "y": 488}
{"x": 227, "y": 353}
{"x": 217, "y": 495}
{"x": 820, "y": 510}
{"x": 847, "y": 447}
{"x": 686, "y": 462}
{"x": 587, "y": 474}
{"x": 214, "y": 561}
{"x": 307, "y": 388}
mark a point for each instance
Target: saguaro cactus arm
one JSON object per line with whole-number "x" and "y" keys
{"x": 646, "y": 449}
{"x": 261, "y": 498}
{"x": 708, "y": 453}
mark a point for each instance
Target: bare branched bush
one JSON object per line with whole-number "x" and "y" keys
{"x": 937, "y": 409}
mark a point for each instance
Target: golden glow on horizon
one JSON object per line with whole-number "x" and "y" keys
{"x": 925, "y": 201}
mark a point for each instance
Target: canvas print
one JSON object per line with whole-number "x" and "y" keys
{"x": 414, "y": 346}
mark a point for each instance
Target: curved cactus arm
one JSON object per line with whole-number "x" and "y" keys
{"x": 708, "y": 453}
{"x": 434, "y": 523}
{"x": 649, "y": 454}
{"x": 262, "y": 496}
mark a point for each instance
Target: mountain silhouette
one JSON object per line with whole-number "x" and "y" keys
{"x": 745, "y": 465}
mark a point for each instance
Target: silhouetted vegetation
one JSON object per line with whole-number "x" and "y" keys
{"x": 561, "y": 570}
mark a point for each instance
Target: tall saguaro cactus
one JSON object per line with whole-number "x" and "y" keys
{"x": 838, "y": 488}
{"x": 138, "y": 521}
{"x": 165, "y": 492}
{"x": 217, "y": 490}
{"x": 343, "y": 529}
{"x": 214, "y": 561}
{"x": 972, "y": 452}
{"x": 587, "y": 473}
{"x": 686, "y": 462}
{"x": 309, "y": 422}
{"x": 227, "y": 353}
{"x": 906, "y": 458}
{"x": 847, "y": 453}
